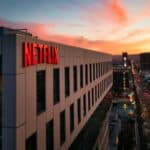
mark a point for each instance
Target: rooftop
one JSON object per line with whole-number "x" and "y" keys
{"x": 5, "y": 30}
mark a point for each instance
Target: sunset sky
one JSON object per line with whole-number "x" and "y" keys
{"x": 111, "y": 26}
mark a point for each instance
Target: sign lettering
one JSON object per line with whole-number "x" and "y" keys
{"x": 34, "y": 53}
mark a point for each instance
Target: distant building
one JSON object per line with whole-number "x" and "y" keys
{"x": 120, "y": 79}
{"x": 50, "y": 94}
{"x": 145, "y": 61}
{"x": 121, "y": 74}
{"x": 125, "y": 59}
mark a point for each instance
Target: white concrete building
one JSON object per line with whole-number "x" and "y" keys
{"x": 48, "y": 90}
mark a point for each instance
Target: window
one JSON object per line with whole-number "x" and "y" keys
{"x": 90, "y": 73}
{"x": 40, "y": 91}
{"x": 81, "y": 76}
{"x": 49, "y": 136}
{"x": 31, "y": 142}
{"x": 99, "y": 65}
{"x": 56, "y": 85}
{"x": 96, "y": 70}
{"x": 95, "y": 93}
{"x": 67, "y": 82}
{"x": 93, "y": 71}
{"x": 103, "y": 67}
{"x": 100, "y": 88}
{"x": 62, "y": 127}
{"x": 98, "y": 91}
{"x": 89, "y": 100}
{"x": 75, "y": 78}
{"x": 92, "y": 96}
{"x": 86, "y": 74}
{"x": 84, "y": 105}
{"x": 71, "y": 117}
{"x": 100, "y": 69}
{"x": 79, "y": 109}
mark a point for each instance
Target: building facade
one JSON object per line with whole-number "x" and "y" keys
{"x": 145, "y": 61}
{"x": 48, "y": 90}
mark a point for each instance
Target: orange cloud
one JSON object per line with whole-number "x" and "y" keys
{"x": 116, "y": 12}
{"x": 112, "y": 11}
{"x": 35, "y": 28}
{"x": 102, "y": 45}
{"x": 113, "y": 47}
{"x": 135, "y": 34}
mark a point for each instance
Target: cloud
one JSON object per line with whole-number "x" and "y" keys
{"x": 35, "y": 28}
{"x": 113, "y": 47}
{"x": 110, "y": 11}
{"x": 116, "y": 12}
{"x": 134, "y": 35}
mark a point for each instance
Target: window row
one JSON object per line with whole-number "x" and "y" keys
{"x": 88, "y": 100}
{"x": 98, "y": 68}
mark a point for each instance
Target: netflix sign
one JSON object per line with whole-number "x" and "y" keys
{"x": 34, "y": 53}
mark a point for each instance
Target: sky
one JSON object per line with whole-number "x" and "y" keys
{"x": 112, "y": 26}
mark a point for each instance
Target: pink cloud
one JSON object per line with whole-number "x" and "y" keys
{"x": 113, "y": 47}
{"x": 132, "y": 35}
{"x": 116, "y": 12}
{"x": 110, "y": 11}
{"x": 35, "y": 28}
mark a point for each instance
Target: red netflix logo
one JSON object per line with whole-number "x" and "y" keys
{"x": 34, "y": 53}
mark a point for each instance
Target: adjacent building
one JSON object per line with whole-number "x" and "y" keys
{"x": 145, "y": 61}
{"x": 48, "y": 91}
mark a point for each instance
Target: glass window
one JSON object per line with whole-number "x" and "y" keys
{"x": 49, "y": 136}
{"x": 75, "y": 78}
{"x": 31, "y": 142}
{"x": 86, "y": 74}
{"x": 92, "y": 96}
{"x": 40, "y": 91}
{"x": 56, "y": 90}
{"x": 81, "y": 76}
{"x": 93, "y": 71}
{"x": 84, "y": 105}
{"x": 79, "y": 109}
{"x": 95, "y": 93}
{"x": 89, "y": 100}
{"x": 90, "y": 73}
{"x": 71, "y": 117}
{"x": 67, "y": 81}
{"x": 62, "y": 127}
{"x": 96, "y": 70}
